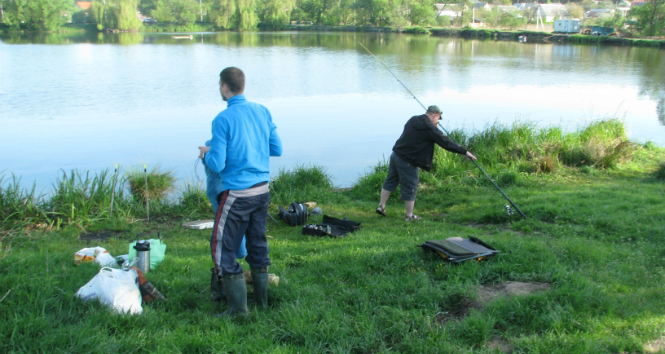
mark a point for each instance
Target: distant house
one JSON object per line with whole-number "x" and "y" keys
{"x": 482, "y": 6}
{"x": 507, "y": 8}
{"x": 600, "y": 13}
{"x": 550, "y": 12}
{"x": 522, "y": 6}
{"x": 624, "y": 7}
{"x": 448, "y": 10}
{"x": 84, "y": 5}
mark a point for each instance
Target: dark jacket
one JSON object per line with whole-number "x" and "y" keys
{"x": 416, "y": 145}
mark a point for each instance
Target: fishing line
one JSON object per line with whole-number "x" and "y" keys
{"x": 444, "y": 129}
{"x": 196, "y": 170}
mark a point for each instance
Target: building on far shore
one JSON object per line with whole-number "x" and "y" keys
{"x": 84, "y": 5}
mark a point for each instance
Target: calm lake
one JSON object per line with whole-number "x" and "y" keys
{"x": 88, "y": 102}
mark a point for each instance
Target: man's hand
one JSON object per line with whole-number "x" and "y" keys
{"x": 469, "y": 156}
{"x": 203, "y": 150}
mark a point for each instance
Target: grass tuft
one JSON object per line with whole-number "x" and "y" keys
{"x": 302, "y": 183}
{"x": 160, "y": 183}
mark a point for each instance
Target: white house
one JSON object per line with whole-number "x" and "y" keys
{"x": 450, "y": 10}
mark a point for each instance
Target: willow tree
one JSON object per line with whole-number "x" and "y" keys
{"x": 275, "y": 13}
{"x": 97, "y": 10}
{"x": 245, "y": 16}
{"x": 220, "y": 12}
{"x": 121, "y": 15}
{"x": 115, "y": 14}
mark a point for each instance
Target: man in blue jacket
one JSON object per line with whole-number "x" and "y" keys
{"x": 243, "y": 139}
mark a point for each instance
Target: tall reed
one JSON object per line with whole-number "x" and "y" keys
{"x": 80, "y": 198}
{"x": 19, "y": 207}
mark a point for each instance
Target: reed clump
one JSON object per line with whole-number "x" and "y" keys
{"x": 159, "y": 184}
{"x": 19, "y": 207}
{"x": 82, "y": 198}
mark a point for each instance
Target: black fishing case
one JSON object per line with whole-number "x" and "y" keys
{"x": 458, "y": 249}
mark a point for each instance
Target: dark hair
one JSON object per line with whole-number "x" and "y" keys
{"x": 234, "y": 79}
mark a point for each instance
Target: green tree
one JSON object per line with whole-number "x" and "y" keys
{"x": 147, "y": 6}
{"x": 275, "y": 13}
{"x": 421, "y": 12}
{"x": 180, "y": 12}
{"x": 220, "y": 12}
{"x": 315, "y": 9}
{"x": 650, "y": 17}
{"x": 44, "y": 15}
{"x": 245, "y": 17}
{"x": 97, "y": 11}
{"x": 378, "y": 12}
{"x": 121, "y": 14}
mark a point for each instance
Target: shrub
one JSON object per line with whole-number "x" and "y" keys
{"x": 660, "y": 172}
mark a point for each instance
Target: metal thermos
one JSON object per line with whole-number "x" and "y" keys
{"x": 143, "y": 253}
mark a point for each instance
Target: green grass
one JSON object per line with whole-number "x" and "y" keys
{"x": 594, "y": 233}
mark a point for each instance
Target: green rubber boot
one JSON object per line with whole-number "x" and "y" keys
{"x": 236, "y": 295}
{"x": 260, "y": 281}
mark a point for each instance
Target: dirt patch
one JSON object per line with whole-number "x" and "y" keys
{"x": 459, "y": 312}
{"x": 655, "y": 346}
{"x": 488, "y": 293}
{"x": 501, "y": 344}
{"x": 97, "y": 236}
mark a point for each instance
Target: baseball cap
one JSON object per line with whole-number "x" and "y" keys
{"x": 434, "y": 109}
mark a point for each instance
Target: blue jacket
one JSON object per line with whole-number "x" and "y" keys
{"x": 243, "y": 139}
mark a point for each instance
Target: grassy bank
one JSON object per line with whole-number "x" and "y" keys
{"x": 594, "y": 236}
{"x": 607, "y": 40}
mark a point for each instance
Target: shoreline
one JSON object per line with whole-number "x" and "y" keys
{"x": 467, "y": 33}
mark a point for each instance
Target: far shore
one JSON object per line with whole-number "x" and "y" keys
{"x": 527, "y": 36}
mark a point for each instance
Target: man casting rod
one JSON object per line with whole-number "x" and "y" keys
{"x": 444, "y": 129}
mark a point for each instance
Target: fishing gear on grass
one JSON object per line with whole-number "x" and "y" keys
{"x": 296, "y": 214}
{"x": 444, "y": 129}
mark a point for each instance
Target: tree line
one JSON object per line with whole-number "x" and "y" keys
{"x": 49, "y": 15}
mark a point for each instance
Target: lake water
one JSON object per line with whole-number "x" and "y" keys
{"x": 90, "y": 101}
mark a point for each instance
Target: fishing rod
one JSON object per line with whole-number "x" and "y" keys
{"x": 444, "y": 129}
{"x": 147, "y": 197}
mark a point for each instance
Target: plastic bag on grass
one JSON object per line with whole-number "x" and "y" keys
{"x": 157, "y": 251}
{"x": 97, "y": 254}
{"x": 118, "y": 289}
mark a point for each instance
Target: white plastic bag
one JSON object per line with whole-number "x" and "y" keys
{"x": 99, "y": 254}
{"x": 118, "y": 289}
{"x": 104, "y": 259}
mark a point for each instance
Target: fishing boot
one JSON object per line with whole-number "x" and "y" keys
{"x": 260, "y": 280}
{"x": 216, "y": 288}
{"x": 236, "y": 295}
